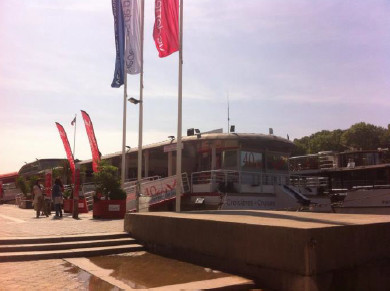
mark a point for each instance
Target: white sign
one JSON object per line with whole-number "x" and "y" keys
{"x": 248, "y": 202}
{"x": 158, "y": 191}
{"x": 114, "y": 207}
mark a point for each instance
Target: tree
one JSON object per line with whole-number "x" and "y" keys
{"x": 107, "y": 181}
{"x": 324, "y": 140}
{"x": 363, "y": 136}
{"x": 21, "y": 183}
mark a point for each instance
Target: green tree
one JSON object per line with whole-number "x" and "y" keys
{"x": 324, "y": 140}
{"x": 363, "y": 136}
{"x": 31, "y": 182}
{"x": 301, "y": 146}
{"x": 21, "y": 183}
{"x": 107, "y": 181}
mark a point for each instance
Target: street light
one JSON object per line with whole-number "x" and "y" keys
{"x": 133, "y": 100}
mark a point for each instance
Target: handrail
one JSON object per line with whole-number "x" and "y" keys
{"x": 237, "y": 181}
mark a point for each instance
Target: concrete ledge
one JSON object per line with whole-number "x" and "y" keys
{"x": 282, "y": 250}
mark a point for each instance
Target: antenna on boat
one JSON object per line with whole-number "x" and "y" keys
{"x": 228, "y": 113}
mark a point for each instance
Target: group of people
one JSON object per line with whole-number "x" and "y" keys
{"x": 42, "y": 203}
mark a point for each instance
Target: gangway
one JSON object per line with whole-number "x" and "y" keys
{"x": 154, "y": 192}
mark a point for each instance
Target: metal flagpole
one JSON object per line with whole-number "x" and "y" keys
{"x": 123, "y": 171}
{"x": 179, "y": 115}
{"x": 74, "y": 137}
{"x": 228, "y": 129}
{"x": 76, "y": 176}
{"x": 141, "y": 104}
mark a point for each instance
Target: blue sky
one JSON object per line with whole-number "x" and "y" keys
{"x": 296, "y": 66}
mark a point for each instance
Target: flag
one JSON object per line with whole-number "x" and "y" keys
{"x": 132, "y": 21}
{"x": 65, "y": 141}
{"x": 119, "y": 44}
{"x": 166, "y": 27}
{"x": 48, "y": 178}
{"x": 92, "y": 140}
{"x": 73, "y": 121}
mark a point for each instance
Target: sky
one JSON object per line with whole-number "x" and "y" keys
{"x": 297, "y": 66}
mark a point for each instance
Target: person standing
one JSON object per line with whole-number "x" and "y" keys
{"x": 38, "y": 198}
{"x": 57, "y": 197}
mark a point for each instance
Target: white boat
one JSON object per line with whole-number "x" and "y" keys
{"x": 220, "y": 171}
{"x": 359, "y": 181}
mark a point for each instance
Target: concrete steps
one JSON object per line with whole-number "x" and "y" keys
{"x": 41, "y": 248}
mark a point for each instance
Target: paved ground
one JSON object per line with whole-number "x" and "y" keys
{"x": 16, "y": 222}
{"x": 46, "y": 274}
{"x": 63, "y": 274}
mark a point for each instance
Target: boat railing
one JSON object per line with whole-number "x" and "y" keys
{"x": 308, "y": 181}
{"x": 236, "y": 181}
{"x": 350, "y": 184}
{"x": 130, "y": 186}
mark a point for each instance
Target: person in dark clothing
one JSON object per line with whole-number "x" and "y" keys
{"x": 56, "y": 194}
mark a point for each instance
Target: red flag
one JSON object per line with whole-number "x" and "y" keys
{"x": 65, "y": 141}
{"x": 92, "y": 140}
{"x": 166, "y": 27}
{"x": 48, "y": 177}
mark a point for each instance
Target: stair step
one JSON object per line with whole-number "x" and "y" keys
{"x": 66, "y": 245}
{"x": 58, "y": 239}
{"x": 70, "y": 253}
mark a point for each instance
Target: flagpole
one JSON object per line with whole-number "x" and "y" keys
{"x": 74, "y": 137}
{"x": 141, "y": 104}
{"x": 76, "y": 176}
{"x": 179, "y": 115}
{"x": 123, "y": 171}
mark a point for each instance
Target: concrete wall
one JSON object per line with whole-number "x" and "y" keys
{"x": 281, "y": 257}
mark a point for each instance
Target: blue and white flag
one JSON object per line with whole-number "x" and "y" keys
{"x": 119, "y": 43}
{"x": 132, "y": 20}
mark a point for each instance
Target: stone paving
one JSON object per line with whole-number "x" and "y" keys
{"x": 16, "y": 222}
{"x": 61, "y": 274}
{"x": 46, "y": 274}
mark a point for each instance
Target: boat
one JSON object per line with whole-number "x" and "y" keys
{"x": 357, "y": 181}
{"x": 8, "y": 188}
{"x": 226, "y": 171}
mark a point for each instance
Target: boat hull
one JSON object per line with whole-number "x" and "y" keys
{"x": 365, "y": 201}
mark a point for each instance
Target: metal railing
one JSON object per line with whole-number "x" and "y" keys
{"x": 307, "y": 181}
{"x": 350, "y": 184}
{"x": 236, "y": 181}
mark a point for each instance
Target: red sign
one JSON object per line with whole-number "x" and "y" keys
{"x": 48, "y": 184}
{"x": 65, "y": 141}
{"x": 92, "y": 140}
{"x": 166, "y": 27}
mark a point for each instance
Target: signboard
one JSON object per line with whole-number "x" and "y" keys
{"x": 248, "y": 202}
{"x": 157, "y": 191}
{"x": 114, "y": 207}
{"x": 251, "y": 160}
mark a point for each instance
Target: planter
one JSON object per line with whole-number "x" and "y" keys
{"x": 109, "y": 209}
{"x": 68, "y": 206}
{"x": 26, "y": 204}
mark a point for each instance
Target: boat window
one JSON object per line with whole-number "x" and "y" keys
{"x": 229, "y": 159}
{"x": 277, "y": 161}
{"x": 251, "y": 161}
